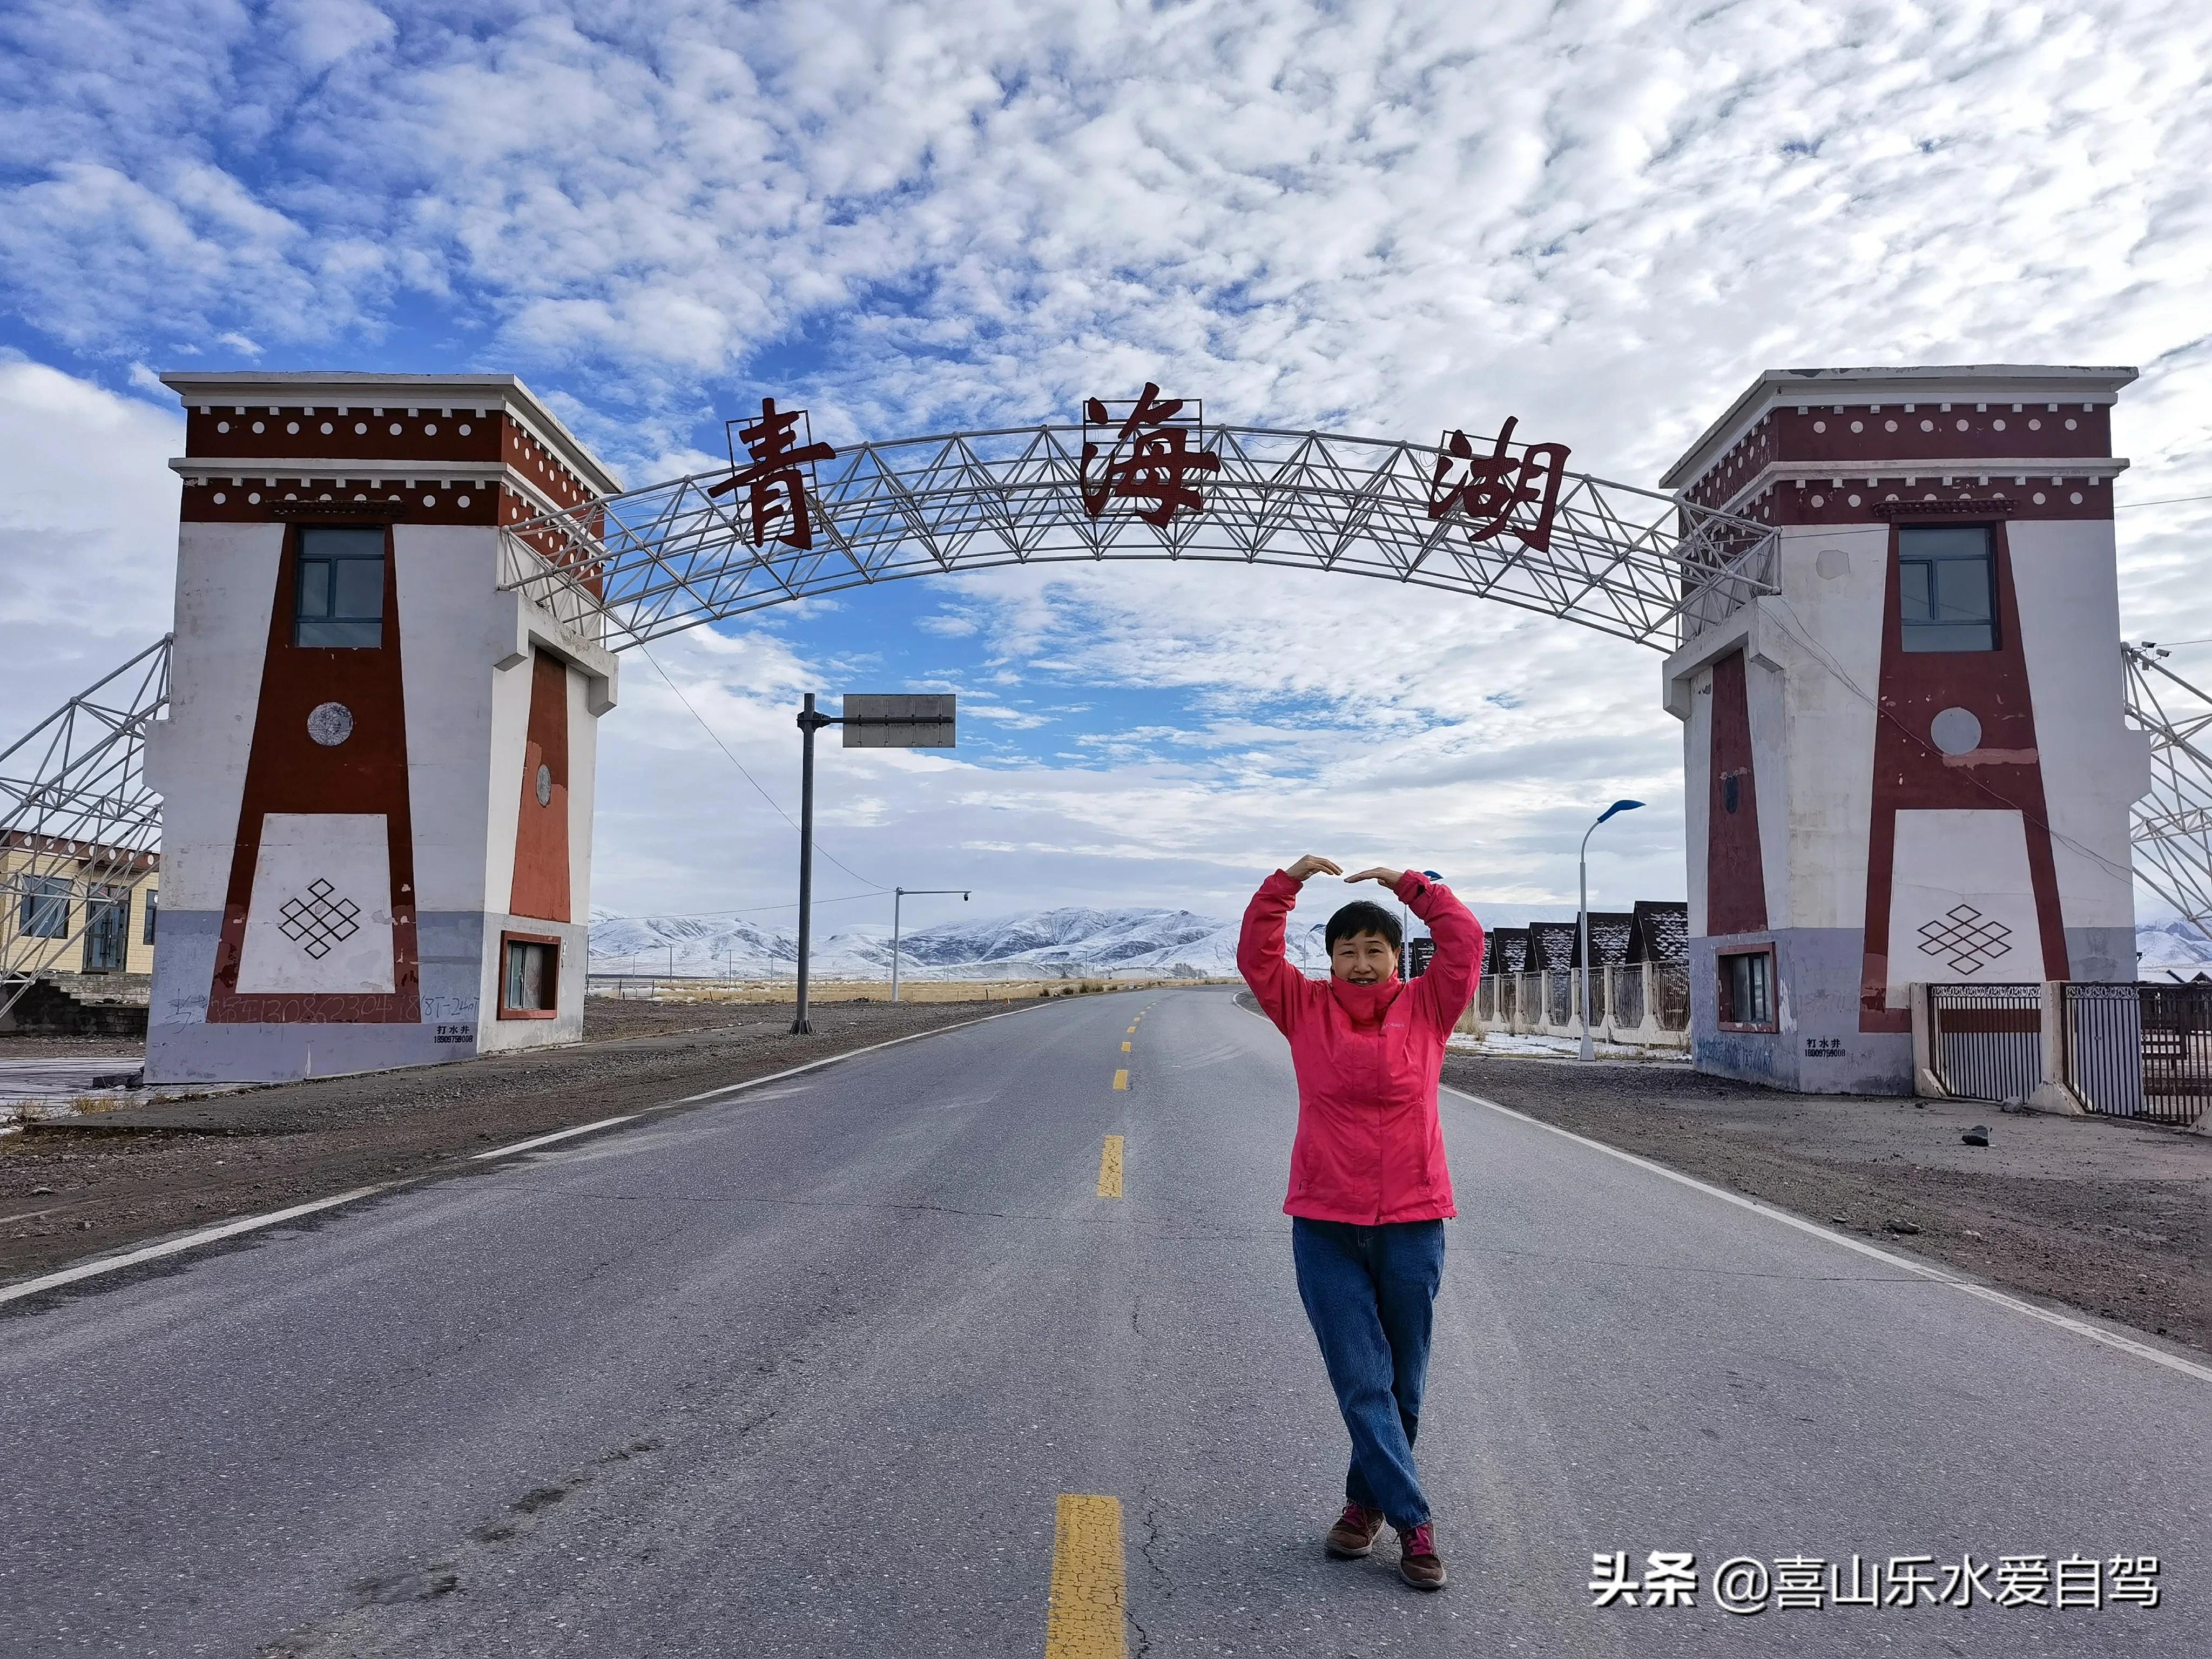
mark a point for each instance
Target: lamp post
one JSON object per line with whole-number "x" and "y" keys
{"x": 897, "y": 895}
{"x": 1589, "y": 1049}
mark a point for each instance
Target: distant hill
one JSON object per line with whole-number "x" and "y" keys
{"x": 1073, "y": 942}
{"x": 2172, "y": 950}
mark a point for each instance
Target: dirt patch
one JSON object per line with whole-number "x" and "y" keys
{"x": 2105, "y": 1215}
{"x": 144, "y": 1171}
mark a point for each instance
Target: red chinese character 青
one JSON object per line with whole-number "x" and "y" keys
{"x": 1496, "y": 483}
{"x": 778, "y": 489}
{"x": 1148, "y": 461}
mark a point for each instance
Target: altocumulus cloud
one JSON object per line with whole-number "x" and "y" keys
{"x": 1387, "y": 217}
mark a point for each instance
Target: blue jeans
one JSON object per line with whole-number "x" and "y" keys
{"x": 1370, "y": 1293}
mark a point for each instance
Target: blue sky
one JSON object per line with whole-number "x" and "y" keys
{"x": 1387, "y": 218}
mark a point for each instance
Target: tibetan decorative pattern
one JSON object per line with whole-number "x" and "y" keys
{"x": 316, "y": 921}
{"x": 1965, "y": 938}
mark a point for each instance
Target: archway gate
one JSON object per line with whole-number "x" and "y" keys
{"x": 1631, "y": 562}
{"x": 377, "y": 809}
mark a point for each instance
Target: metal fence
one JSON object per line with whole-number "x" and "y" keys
{"x": 2177, "y": 1051}
{"x": 2140, "y": 1050}
{"x": 1987, "y": 1040}
{"x": 1670, "y": 996}
{"x": 1625, "y": 993}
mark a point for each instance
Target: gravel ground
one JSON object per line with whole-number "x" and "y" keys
{"x": 142, "y": 1172}
{"x": 2109, "y": 1216}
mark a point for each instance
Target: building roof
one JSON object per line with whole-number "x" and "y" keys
{"x": 1990, "y": 382}
{"x": 315, "y": 386}
{"x": 90, "y": 852}
{"x": 1608, "y": 937}
{"x": 1660, "y": 931}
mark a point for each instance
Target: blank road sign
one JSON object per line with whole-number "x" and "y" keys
{"x": 906, "y": 720}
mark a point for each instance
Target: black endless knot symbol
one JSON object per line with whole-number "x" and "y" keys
{"x": 1965, "y": 938}
{"x": 315, "y": 922}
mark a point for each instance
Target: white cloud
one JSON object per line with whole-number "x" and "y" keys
{"x": 87, "y": 535}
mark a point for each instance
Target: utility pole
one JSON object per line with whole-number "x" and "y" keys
{"x": 897, "y": 895}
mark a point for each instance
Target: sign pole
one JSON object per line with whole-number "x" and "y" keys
{"x": 809, "y": 724}
{"x": 897, "y": 893}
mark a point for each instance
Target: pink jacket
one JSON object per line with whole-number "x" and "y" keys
{"x": 1369, "y": 1148}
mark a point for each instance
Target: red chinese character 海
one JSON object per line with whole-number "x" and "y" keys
{"x": 1496, "y": 483}
{"x": 778, "y": 490}
{"x": 1146, "y": 462}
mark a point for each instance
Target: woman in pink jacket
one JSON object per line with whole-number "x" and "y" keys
{"x": 1370, "y": 1190}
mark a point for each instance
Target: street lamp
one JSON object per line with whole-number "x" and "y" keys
{"x": 1589, "y": 1049}
{"x": 898, "y": 894}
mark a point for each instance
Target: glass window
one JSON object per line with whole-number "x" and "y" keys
{"x": 1946, "y": 588}
{"x": 340, "y": 581}
{"x": 46, "y": 907}
{"x": 153, "y": 909}
{"x": 1746, "y": 989}
{"x": 533, "y": 979}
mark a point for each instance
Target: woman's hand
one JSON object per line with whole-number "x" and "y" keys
{"x": 1386, "y": 878}
{"x": 1313, "y": 865}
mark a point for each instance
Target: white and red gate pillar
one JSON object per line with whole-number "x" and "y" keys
{"x": 1911, "y": 766}
{"x": 377, "y": 767}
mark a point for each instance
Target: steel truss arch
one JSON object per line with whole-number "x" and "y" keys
{"x": 76, "y": 807}
{"x": 2170, "y": 827}
{"x": 1635, "y": 563}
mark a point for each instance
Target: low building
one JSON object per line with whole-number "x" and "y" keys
{"x": 75, "y": 906}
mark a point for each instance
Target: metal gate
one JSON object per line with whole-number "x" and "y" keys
{"x": 2177, "y": 1051}
{"x": 1988, "y": 1039}
{"x": 2105, "y": 1047}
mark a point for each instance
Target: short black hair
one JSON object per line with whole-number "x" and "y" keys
{"x": 1362, "y": 916}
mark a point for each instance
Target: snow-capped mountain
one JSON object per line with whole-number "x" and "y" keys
{"x": 2172, "y": 950}
{"x": 1041, "y": 943}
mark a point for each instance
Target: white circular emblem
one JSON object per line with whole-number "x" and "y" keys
{"x": 330, "y": 724}
{"x": 544, "y": 785}
{"x": 1956, "y": 731}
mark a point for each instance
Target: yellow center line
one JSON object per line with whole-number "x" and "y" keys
{"x": 1109, "y": 1167}
{"x": 1125, "y": 1047}
{"x": 1090, "y": 1600}
{"x": 1133, "y": 1030}
{"x": 1120, "y": 1079}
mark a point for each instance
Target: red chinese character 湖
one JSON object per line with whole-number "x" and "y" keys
{"x": 778, "y": 489}
{"x": 1496, "y": 483}
{"x": 1148, "y": 461}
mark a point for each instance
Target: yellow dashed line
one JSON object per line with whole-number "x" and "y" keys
{"x": 1120, "y": 1079}
{"x": 1089, "y": 1600}
{"x": 1125, "y": 1047}
{"x": 1109, "y": 1167}
{"x": 1132, "y": 1031}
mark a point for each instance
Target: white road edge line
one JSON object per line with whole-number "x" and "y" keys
{"x": 108, "y": 1264}
{"x": 850, "y": 1053}
{"x": 547, "y": 1140}
{"x": 2063, "y": 1322}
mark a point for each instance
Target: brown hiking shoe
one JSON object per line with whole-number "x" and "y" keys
{"x": 1353, "y": 1535}
{"x": 1419, "y": 1564}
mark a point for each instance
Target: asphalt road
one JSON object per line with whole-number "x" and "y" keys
{"x": 805, "y": 1371}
